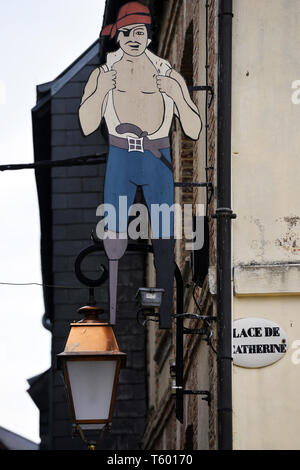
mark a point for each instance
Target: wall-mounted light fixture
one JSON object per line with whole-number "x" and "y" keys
{"x": 149, "y": 297}
{"x": 149, "y": 300}
{"x": 91, "y": 363}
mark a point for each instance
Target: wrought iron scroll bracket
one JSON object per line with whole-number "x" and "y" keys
{"x": 179, "y": 316}
{"x": 90, "y": 283}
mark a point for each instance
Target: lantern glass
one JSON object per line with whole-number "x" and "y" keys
{"x": 91, "y": 363}
{"x": 92, "y": 386}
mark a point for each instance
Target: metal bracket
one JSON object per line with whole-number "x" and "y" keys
{"x": 195, "y": 331}
{"x": 209, "y": 187}
{"x": 147, "y": 316}
{"x": 224, "y": 13}
{"x": 209, "y": 89}
{"x": 91, "y": 445}
{"x": 224, "y": 212}
{"x": 181, "y": 184}
{"x": 78, "y": 270}
{"x": 195, "y": 316}
{"x": 206, "y": 394}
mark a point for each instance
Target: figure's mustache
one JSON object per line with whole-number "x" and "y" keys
{"x": 133, "y": 42}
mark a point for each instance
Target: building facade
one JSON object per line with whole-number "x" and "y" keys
{"x": 253, "y": 156}
{"x": 187, "y": 38}
{"x": 241, "y": 64}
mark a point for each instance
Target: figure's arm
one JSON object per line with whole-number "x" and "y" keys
{"x": 94, "y": 99}
{"x": 174, "y": 86}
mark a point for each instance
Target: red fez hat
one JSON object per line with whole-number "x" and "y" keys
{"x": 131, "y": 13}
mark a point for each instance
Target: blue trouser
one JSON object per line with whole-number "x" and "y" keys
{"x": 126, "y": 171}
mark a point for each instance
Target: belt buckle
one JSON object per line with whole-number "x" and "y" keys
{"x": 135, "y": 145}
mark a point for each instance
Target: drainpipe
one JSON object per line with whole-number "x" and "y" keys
{"x": 224, "y": 215}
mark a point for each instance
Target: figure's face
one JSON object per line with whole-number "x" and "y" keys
{"x": 133, "y": 39}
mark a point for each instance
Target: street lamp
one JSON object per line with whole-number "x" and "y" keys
{"x": 91, "y": 363}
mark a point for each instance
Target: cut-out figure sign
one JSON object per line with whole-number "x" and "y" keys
{"x": 138, "y": 94}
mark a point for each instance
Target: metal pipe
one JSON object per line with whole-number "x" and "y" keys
{"x": 179, "y": 344}
{"x": 224, "y": 216}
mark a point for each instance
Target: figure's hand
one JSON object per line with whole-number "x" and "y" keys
{"x": 169, "y": 86}
{"x": 107, "y": 80}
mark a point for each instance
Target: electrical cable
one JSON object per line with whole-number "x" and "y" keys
{"x": 98, "y": 158}
{"x": 146, "y": 320}
{"x": 28, "y": 284}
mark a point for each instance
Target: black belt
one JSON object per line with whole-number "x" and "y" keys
{"x": 141, "y": 143}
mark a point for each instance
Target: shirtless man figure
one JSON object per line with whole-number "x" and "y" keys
{"x": 138, "y": 94}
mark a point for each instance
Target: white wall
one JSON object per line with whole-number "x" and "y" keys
{"x": 266, "y": 190}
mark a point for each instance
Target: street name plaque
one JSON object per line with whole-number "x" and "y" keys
{"x": 257, "y": 342}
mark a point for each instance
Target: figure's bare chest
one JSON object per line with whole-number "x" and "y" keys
{"x": 136, "y": 98}
{"x": 135, "y": 79}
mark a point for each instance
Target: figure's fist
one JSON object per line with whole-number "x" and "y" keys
{"x": 168, "y": 85}
{"x": 107, "y": 80}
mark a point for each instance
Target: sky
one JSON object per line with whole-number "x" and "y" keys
{"x": 38, "y": 40}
